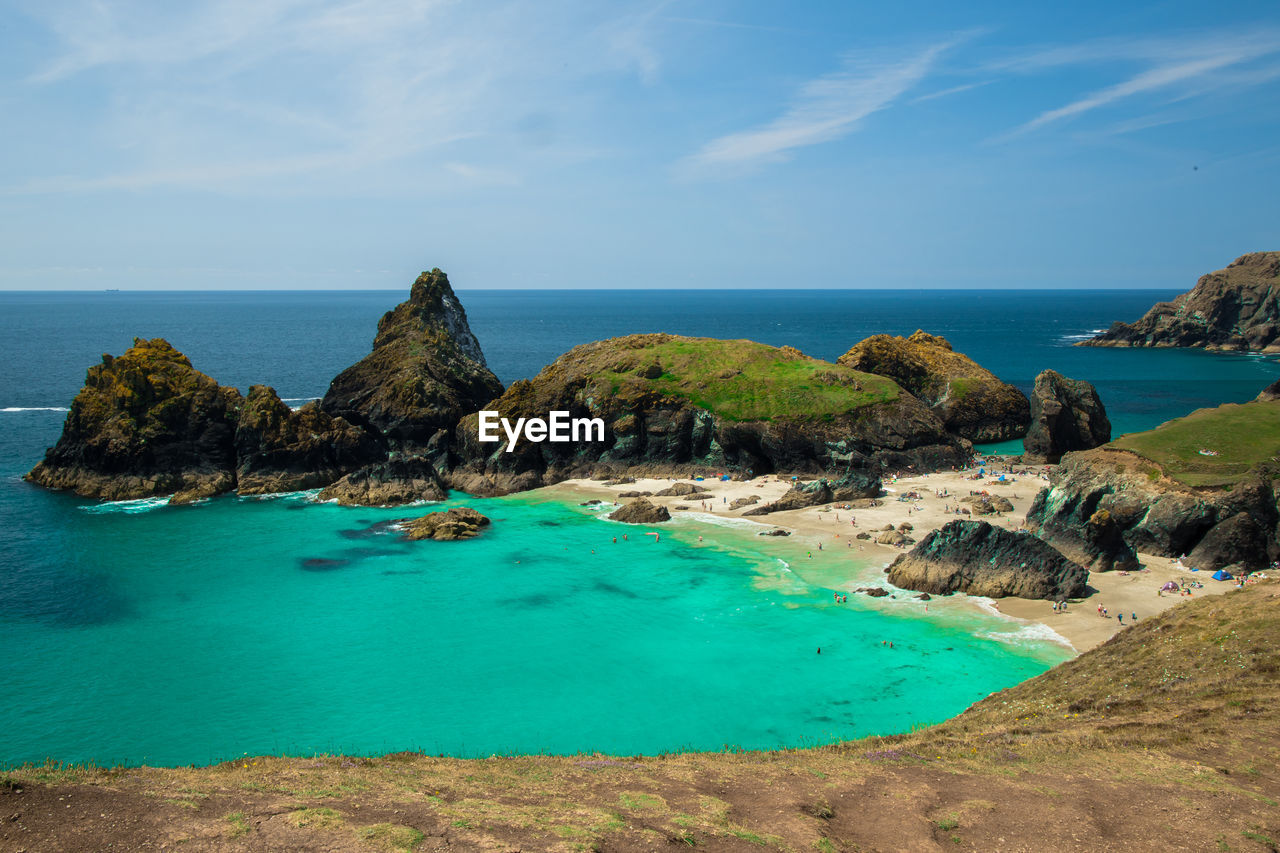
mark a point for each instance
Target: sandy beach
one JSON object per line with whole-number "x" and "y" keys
{"x": 928, "y": 502}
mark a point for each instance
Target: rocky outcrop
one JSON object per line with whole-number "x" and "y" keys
{"x": 854, "y": 484}
{"x": 969, "y": 399}
{"x": 425, "y": 372}
{"x": 1066, "y": 415}
{"x": 146, "y": 423}
{"x": 739, "y": 503}
{"x": 671, "y": 404}
{"x": 987, "y": 504}
{"x": 281, "y": 450}
{"x": 401, "y": 479}
{"x": 1237, "y": 308}
{"x": 1155, "y": 514}
{"x": 452, "y": 524}
{"x": 976, "y": 558}
{"x": 640, "y": 511}
{"x": 1269, "y": 394}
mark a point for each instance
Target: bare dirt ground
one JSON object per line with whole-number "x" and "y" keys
{"x": 1167, "y": 737}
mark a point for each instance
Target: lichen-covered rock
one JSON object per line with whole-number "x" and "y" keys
{"x": 971, "y": 401}
{"x": 1066, "y": 415}
{"x": 145, "y": 423}
{"x": 1236, "y": 542}
{"x": 452, "y": 524}
{"x": 1154, "y": 514}
{"x": 712, "y": 406}
{"x": 1104, "y": 544}
{"x": 401, "y": 479}
{"x": 425, "y": 372}
{"x": 281, "y": 450}
{"x": 987, "y": 504}
{"x": 640, "y": 511}
{"x": 1237, "y": 308}
{"x": 977, "y": 558}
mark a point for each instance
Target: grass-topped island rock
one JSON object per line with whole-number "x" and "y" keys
{"x": 677, "y": 404}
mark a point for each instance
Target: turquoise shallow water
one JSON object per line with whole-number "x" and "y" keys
{"x": 195, "y": 634}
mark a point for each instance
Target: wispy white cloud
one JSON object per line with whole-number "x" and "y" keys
{"x": 228, "y": 92}
{"x": 1196, "y": 63}
{"x": 825, "y": 109}
{"x": 954, "y": 90}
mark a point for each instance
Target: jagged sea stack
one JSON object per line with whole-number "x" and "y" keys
{"x": 280, "y": 450}
{"x": 425, "y": 372}
{"x": 971, "y": 401}
{"x": 1066, "y": 415}
{"x": 146, "y": 423}
{"x": 1237, "y": 308}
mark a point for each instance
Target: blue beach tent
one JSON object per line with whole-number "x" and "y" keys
{"x": 1222, "y": 575}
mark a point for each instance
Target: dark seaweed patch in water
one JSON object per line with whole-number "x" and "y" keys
{"x": 322, "y": 564}
{"x": 537, "y": 599}
{"x": 65, "y": 598}
{"x": 376, "y": 529}
{"x": 822, "y": 719}
{"x": 402, "y": 572}
{"x": 363, "y": 553}
{"x": 547, "y": 523}
{"x": 605, "y": 586}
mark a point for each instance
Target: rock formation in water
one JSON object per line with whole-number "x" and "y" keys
{"x": 978, "y": 559}
{"x": 1066, "y": 415}
{"x": 969, "y": 399}
{"x": 452, "y": 524}
{"x": 401, "y": 479}
{"x": 1269, "y": 394}
{"x": 640, "y": 511}
{"x": 281, "y": 450}
{"x": 1237, "y": 308}
{"x": 672, "y": 404}
{"x": 426, "y": 372}
{"x": 146, "y": 423}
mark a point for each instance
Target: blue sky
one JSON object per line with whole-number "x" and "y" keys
{"x": 288, "y": 144}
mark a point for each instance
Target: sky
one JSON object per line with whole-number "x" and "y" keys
{"x": 304, "y": 144}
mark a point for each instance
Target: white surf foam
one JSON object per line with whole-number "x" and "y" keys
{"x": 133, "y": 506}
{"x": 304, "y": 495}
{"x": 34, "y": 409}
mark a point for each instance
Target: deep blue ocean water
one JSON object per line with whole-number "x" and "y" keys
{"x": 175, "y": 635}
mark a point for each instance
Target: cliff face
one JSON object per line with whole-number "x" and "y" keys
{"x": 425, "y": 372}
{"x": 969, "y": 399}
{"x": 1157, "y": 514}
{"x": 1237, "y": 308}
{"x": 976, "y": 558}
{"x": 280, "y": 450}
{"x": 145, "y": 423}
{"x": 673, "y": 404}
{"x": 1066, "y": 415}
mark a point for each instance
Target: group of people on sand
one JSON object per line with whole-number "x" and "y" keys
{"x": 1105, "y": 614}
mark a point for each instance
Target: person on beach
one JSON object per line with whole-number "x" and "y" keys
{"x": 1120, "y": 616}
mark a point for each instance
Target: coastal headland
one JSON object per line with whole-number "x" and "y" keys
{"x": 1161, "y": 733}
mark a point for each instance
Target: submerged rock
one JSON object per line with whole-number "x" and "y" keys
{"x": 640, "y": 511}
{"x": 1237, "y": 308}
{"x": 971, "y": 401}
{"x": 145, "y": 423}
{"x": 1066, "y": 415}
{"x": 425, "y": 372}
{"x": 977, "y": 558}
{"x": 451, "y": 524}
{"x": 280, "y": 450}
{"x": 401, "y": 479}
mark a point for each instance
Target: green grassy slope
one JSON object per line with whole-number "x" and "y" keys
{"x": 1243, "y": 436}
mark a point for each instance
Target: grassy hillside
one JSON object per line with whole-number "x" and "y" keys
{"x": 1242, "y": 435}
{"x": 1167, "y": 737}
{"x": 737, "y": 380}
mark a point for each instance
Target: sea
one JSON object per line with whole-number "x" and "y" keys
{"x": 138, "y": 633}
